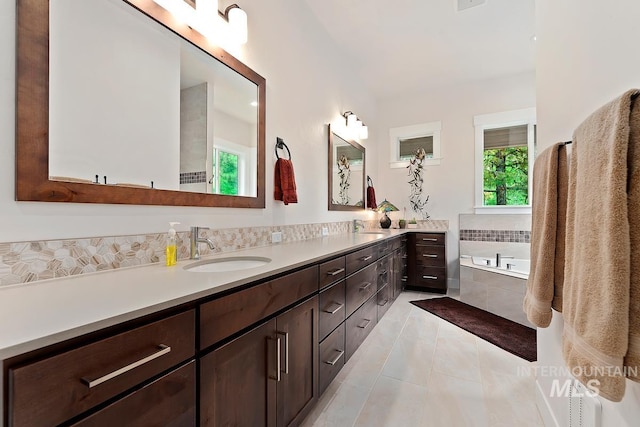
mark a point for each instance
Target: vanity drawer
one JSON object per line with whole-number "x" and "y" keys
{"x": 359, "y": 259}
{"x": 385, "y": 298}
{"x": 360, "y": 287}
{"x": 384, "y": 248}
{"x": 384, "y": 271}
{"x": 359, "y": 325}
{"x": 227, "y": 315}
{"x": 431, "y": 277}
{"x": 332, "y": 309}
{"x": 55, "y": 389}
{"x": 430, "y": 256}
{"x": 332, "y": 271}
{"x": 437, "y": 239}
{"x": 332, "y": 357}
{"x": 174, "y": 404}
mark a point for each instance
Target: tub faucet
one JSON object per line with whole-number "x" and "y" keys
{"x": 499, "y": 258}
{"x": 195, "y": 250}
{"x": 357, "y": 223}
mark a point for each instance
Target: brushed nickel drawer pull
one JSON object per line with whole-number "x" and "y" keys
{"x": 335, "y": 272}
{"x": 163, "y": 349}
{"x": 430, "y": 277}
{"x": 430, "y": 239}
{"x": 366, "y": 258}
{"x": 335, "y": 310}
{"x": 384, "y": 303}
{"x": 430, "y": 255}
{"x": 335, "y": 360}
{"x": 365, "y": 286}
{"x": 278, "y": 362}
{"x": 286, "y": 350}
{"x": 382, "y": 273}
{"x": 364, "y": 326}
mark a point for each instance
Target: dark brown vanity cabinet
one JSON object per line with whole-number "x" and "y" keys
{"x": 266, "y": 377}
{"x": 427, "y": 262}
{"x": 59, "y": 387}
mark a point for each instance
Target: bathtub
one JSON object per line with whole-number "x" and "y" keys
{"x": 495, "y": 289}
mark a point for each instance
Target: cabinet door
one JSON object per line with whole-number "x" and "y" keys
{"x": 297, "y": 392}
{"x": 237, "y": 381}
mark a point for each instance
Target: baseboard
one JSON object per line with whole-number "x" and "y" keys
{"x": 544, "y": 408}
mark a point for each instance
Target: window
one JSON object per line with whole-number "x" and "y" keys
{"x": 505, "y": 149}
{"x": 407, "y": 139}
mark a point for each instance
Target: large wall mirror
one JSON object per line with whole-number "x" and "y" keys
{"x": 346, "y": 173}
{"x": 118, "y": 102}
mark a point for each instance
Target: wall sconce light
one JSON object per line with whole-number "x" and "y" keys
{"x": 206, "y": 19}
{"x": 355, "y": 125}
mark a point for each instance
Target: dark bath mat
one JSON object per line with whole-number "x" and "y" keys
{"x": 511, "y": 336}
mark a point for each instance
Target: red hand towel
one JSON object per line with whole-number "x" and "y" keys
{"x": 285, "y": 182}
{"x": 371, "y": 198}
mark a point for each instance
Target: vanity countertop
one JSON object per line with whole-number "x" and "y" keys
{"x": 47, "y": 312}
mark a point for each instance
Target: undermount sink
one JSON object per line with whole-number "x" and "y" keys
{"x": 220, "y": 265}
{"x": 375, "y": 233}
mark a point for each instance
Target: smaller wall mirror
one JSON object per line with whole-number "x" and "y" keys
{"x": 346, "y": 174}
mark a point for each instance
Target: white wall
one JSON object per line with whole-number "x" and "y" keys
{"x": 586, "y": 56}
{"x": 450, "y": 185}
{"x": 308, "y": 86}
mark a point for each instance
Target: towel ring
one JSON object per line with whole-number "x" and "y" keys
{"x": 281, "y": 145}
{"x": 369, "y": 181}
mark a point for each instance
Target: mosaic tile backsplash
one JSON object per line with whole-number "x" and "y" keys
{"x": 513, "y": 236}
{"x": 24, "y": 262}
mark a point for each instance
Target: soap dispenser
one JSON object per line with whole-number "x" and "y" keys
{"x": 172, "y": 253}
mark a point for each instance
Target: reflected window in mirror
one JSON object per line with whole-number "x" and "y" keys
{"x": 406, "y": 140}
{"x": 137, "y": 99}
{"x": 346, "y": 171}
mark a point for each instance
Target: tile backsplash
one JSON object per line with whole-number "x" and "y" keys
{"x": 24, "y": 262}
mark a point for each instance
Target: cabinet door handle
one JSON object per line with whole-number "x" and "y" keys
{"x": 163, "y": 349}
{"x": 430, "y": 255}
{"x": 335, "y": 272}
{"x": 286, "y": 350}
{"x": 366, "y": 258}
{"x": 278, "y": 361}
{"x": 365, "y": 286}
{"x": 430, "y": 277}
{"x": 384, "y": 303}
{"x": 429, "y": 239}
{"x": 335, "y": 359}
{"x": 335, "y": 310}
{"x": 365, "y": 324}
{"x": 382, "y": 273}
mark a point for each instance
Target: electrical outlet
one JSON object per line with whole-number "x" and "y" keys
{"x": 276, "y": 237}
{"x": 325, "y": 231}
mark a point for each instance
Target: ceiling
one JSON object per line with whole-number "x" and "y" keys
{"x": 402, "y": 46}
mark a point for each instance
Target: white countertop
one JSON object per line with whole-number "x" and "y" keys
{"x": 47, "y": 312}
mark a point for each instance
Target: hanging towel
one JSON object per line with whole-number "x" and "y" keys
{"x": 285, "y": 182}
{"x": 371, "y": 195}
{"x": 598, "y": 285}
{"x": 544, "y": 287}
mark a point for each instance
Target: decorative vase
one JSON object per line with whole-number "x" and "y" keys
{"x": 385, "y": 221}
{"x": 402, "y": 223}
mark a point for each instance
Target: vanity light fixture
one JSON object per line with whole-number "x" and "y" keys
{"x": 355, "y": 125}
{"x": 209, "y": 21}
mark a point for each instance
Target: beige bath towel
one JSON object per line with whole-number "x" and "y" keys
{"x": 598, "y": 251}
{"x": 544, "y": 287}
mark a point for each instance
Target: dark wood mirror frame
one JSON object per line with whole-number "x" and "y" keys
{"x": 32, "y": 120}
{"x": 335, "y": 206}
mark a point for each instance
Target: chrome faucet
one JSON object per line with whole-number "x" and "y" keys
{"x": 499, "y": 258}
{"x": 195, "y": 250}
{"x": 356, "y": 223}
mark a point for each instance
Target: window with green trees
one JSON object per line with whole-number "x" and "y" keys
{"x": 506, "y": 166}
{"x": 225, "y": 173}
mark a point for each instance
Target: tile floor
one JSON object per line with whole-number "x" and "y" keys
{"x": 416, "y": 369}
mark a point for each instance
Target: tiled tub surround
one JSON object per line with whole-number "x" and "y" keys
{"x": 494, "y": 292}
{"x": 23, "y": 262}
{"x": 488, "y": 234}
